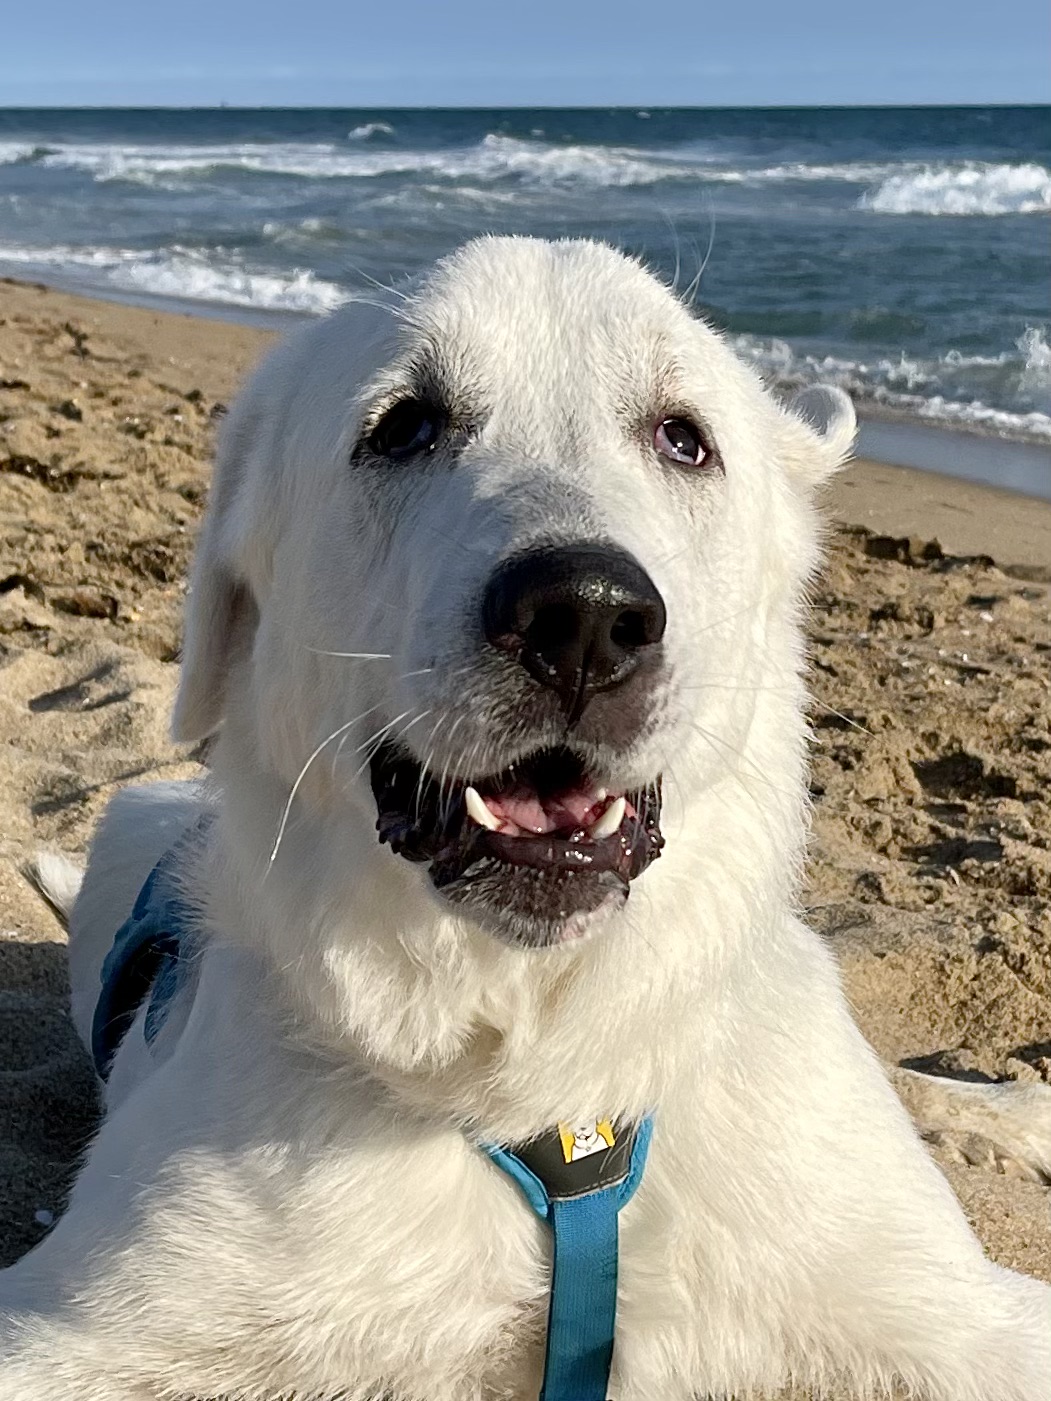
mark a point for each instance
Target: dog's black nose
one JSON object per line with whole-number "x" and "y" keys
{"x": 579, "y": 618}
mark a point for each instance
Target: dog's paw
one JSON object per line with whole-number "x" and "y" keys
{"x": 975, "y": 1150}
{"x": 1002, "y": 1127}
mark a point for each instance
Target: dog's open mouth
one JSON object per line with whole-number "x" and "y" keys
{"x": 529, "y": 848}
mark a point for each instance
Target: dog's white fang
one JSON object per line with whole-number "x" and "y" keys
{"x": 477, "y": 809}
{"x": 610, "y": 820}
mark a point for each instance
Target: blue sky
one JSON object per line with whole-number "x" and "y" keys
{"x": 486, "y": 53}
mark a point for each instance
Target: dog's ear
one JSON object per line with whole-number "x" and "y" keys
{"x": 221, "y": 613}
{"x": 829, "y": 415}
{"x": 221, "y": 619}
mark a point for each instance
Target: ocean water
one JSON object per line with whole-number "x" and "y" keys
{"x": 902, "y": 253}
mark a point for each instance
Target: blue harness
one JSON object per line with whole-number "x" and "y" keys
{"x": 575, "y": 1177}
{"x": 580, "y": 1199}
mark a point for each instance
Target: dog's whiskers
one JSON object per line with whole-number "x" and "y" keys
{"x": 374, "y": 744}
{"x": 384, "y": 287}
{"x": 718, "y": 684}
{"x": 343, "y": 739}
{"x": 831, "y": 710}
{"x": 456, "y": 542}
{"x": 381, "y": 733}
{"x": 354, "y": 656}
{"x": 341, "y": 730}
{"x": 676, "y": 244}
{"x": 443, "y": 807}
{"x": 736, "y": 753}
{"x": 691, "y": 291}
{"x": 737, "y": 777}
{"x": 425, "y": 767}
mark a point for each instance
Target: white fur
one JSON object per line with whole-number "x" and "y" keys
{"x": 58, "y": 880}
{"x": 286, "y": 1199}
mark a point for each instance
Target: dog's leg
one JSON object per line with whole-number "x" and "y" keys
{"x": 905, "y": 1293}
{"x": 108, "y": 1331}
{"x": 934, "y": 1313}
{"x": 1005, "y": 1127}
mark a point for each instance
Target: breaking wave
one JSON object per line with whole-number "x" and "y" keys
{"x": 901, "y": 187}
{"x": 185, "y": 274}
{"x": 369, "y": 152}
{"x": 493, "y": 158}
{"x": 967, "y": 189}
{"x": 944, "y": 389}
{"x": 368, "y": 131}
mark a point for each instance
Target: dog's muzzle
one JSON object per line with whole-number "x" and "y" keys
{"x": 534, "y": 850}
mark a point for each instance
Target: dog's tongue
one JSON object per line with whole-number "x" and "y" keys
{"x": 523, "y": 807}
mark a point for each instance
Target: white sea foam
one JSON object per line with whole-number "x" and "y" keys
{"x": 368, "y": 130}
{"x": 149, "y": 164}
{"x": 611, "y": 166}
{"x": 847, "y": 172}
{"x": 975, "y": 414}
{"x": 972, "y": 188}
{"x": 13, "y": 151}
{"x": 943, "y": 389}
{"x": 1035, "y": 379}
{"x": 186, "y": 275}
{"x": 308, "y": 231}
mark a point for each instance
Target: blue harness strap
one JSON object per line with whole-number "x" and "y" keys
{"x": 149, "y": 954}
{"x": 583, "y": 1308}
{"x": 581, "y": 1200}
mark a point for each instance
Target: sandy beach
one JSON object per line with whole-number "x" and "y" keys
{"x": 931, "y": 652}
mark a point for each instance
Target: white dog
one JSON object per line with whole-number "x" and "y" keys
{"x": 510, "y": 568}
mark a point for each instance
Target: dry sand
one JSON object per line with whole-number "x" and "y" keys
{"x": 931, "y": 869}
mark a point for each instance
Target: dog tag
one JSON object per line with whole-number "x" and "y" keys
{"x": 575, "y": 1159}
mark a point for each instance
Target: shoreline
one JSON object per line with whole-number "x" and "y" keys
{"x": 969, "y": 519}
{"x": 1018, "y": 465}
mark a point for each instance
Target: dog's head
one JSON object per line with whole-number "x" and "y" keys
{"x": 491, "y": 565}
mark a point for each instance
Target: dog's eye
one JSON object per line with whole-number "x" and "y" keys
{"x": 679, "y": 441}
{"x": 408, "y": 428}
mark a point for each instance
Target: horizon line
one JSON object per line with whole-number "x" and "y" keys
{"x": 506, "y": 106}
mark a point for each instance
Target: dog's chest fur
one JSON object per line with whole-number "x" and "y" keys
{"x": 400, "y": 1258}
